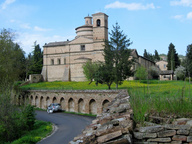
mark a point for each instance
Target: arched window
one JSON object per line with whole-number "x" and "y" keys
{"x": 98, "y": 22}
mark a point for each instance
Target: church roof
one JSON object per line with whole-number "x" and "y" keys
{"x": 61, "y": 43}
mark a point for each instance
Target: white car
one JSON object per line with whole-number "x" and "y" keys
{"x": 54, "y": 107}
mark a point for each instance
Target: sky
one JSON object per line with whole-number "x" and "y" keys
{"x": 150, "y": 24}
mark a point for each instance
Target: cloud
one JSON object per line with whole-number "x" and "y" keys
{"x": 130, "y": 6}
{"x": 36, "y": 28}
{"x": 6, "y": 3}
{"x": 187, "y": 3}
{"x": 26, "y": 40}
{"x": 189, "y": 15}
{"x": 178, "y": 17}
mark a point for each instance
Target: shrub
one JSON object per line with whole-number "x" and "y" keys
{"x": 153, "y": 72}
{"x": 180, "y": 72}
{"x": 141, "y": 73}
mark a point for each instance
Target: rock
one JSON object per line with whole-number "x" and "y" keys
{"x": 139, "y": 135}
{"x": 176, "y": 127}
{"x": 166, "y": 133}
{"x": 176, "y": 142}
{"x": 181, "y": 121}
{"x": 109, "y": 136}
{"x": 179, "y": 138}
{"x": 189, "y": 139}
{"x": 182, "y": 132}
{"x": 151, "y": 129}
{"x": 189, "y": 123}
{"x": 163, "y": 140}
{"x": 126, "y": 139}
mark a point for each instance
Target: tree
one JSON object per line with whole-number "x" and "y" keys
{"x": 180, "y": 72}
{"x": 90, "y": 69}
{"x": 172, "y": 58}
{"x": 35, "y": 60}
{"x": 116, "y": 55}
{"x": 153, "y": 72}
{"x": 12, "y": 59}
{"x": 189, "y": 60}
{"x": 141, "y": 73}
{"x": 156, "y": 56}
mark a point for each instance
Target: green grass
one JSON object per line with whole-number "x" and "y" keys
{"x": 41, "y": 130}
{"x": 154, "y": 97}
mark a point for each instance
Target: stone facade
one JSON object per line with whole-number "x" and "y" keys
{"x": 82, "y": 101}
{"x": 62, "y": 61}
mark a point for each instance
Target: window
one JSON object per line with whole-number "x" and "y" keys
{"x": 58, "y": 61}
{"x": 52, "y": 61}
{"x": 82, "y": 47}
{"x": 64, "y": 61}
{"x": 98, "y": 22}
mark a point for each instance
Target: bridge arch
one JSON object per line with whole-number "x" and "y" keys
{"x": 47, "y": 102}
{"x": 105, "y": 104}
{"x": 71, "y": 105}
{"x": 31, "y": 100}
{"x": 92, "y": 107}
{"x": 54, "y": 100}
{"x": 36, "y": 101}
{"x": 41, "y": 102}
{"x": 62, "y": 102}
{"x": 81, "y": 106}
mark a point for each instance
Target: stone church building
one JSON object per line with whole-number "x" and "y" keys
{"x": 62, "y": 61}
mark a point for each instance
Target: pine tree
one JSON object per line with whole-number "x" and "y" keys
{"x": 172, "y": 58}
{"x": 116, "y": 54}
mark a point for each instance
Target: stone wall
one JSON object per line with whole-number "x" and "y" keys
{"x": 83, "y": 101}
{"x": 116, "y": 126}
{"x": 180, "y": 131}
{"x": 113, "y": 126}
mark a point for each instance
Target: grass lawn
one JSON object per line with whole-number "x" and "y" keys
{"x": 154, "y": 97}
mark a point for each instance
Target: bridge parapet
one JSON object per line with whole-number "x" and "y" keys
{"x": 82, "y": 101}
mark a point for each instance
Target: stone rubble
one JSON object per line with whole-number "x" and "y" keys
{"x": 116, "y": 126}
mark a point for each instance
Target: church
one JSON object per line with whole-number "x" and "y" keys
{"x": 62, "y": 61}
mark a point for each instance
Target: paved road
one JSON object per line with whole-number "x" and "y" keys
{"x": 69, "y": 126}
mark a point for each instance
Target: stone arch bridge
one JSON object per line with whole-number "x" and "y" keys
{"x": 81, "y": 101}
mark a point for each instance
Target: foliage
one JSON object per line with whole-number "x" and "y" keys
{"x": 172, "y": 58}
{"x": 41, "y": 129}
{"x": 117, "y": 66}
{"x": 180, "y": 72}
{"x": 12, "y": 59}
{"x": 141, "y": 73}
{"x": 189, "y": 60}
{"x": 90, "y": 69}
{"x": 153, "y": 72}
{"x": 150, "y": 56}
{"x": 35, "y": 61}
{"x": 14, "y": 121}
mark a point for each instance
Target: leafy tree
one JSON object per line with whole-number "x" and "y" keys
{"x": 189, "y": 60}
{"x": 180, "y": 72}
{"x": 172, "y": 58}
{"x": 153, "y": 72}
{"x": 35, "y": 60}
{"x": 12, "y": 59}
{"x": 150, "y": 56}
{"x": 141, "y": 73}
{"x": 116, "y": 55}
{"x": 156, "y": 56}
{"x": 90, "y": 69}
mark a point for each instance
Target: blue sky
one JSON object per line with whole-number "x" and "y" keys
{"x": 150, "y": 24}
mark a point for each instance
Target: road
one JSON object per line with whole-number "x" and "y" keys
{"x": 68, "y": 126}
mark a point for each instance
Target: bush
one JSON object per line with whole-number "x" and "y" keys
{"x": 180, "y": 72}
{"x": 153, "y": 72}
{"x": 141, "y": 73}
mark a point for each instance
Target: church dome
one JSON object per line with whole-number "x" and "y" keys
{"x": 87, "y": 29}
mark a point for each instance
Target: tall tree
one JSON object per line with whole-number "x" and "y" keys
{"x": 156, "y": 56}
{"x": 116, "y": 54}
{"x": 35, "y": 60}
{"x": 189, "y": 60}
{"x": 11, "y": 57}
{"x": 172, "y": 58}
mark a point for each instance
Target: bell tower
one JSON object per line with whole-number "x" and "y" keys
{"x": 100, "y": 27}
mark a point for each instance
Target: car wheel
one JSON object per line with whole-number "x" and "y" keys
{"x": 50, "y": 111}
